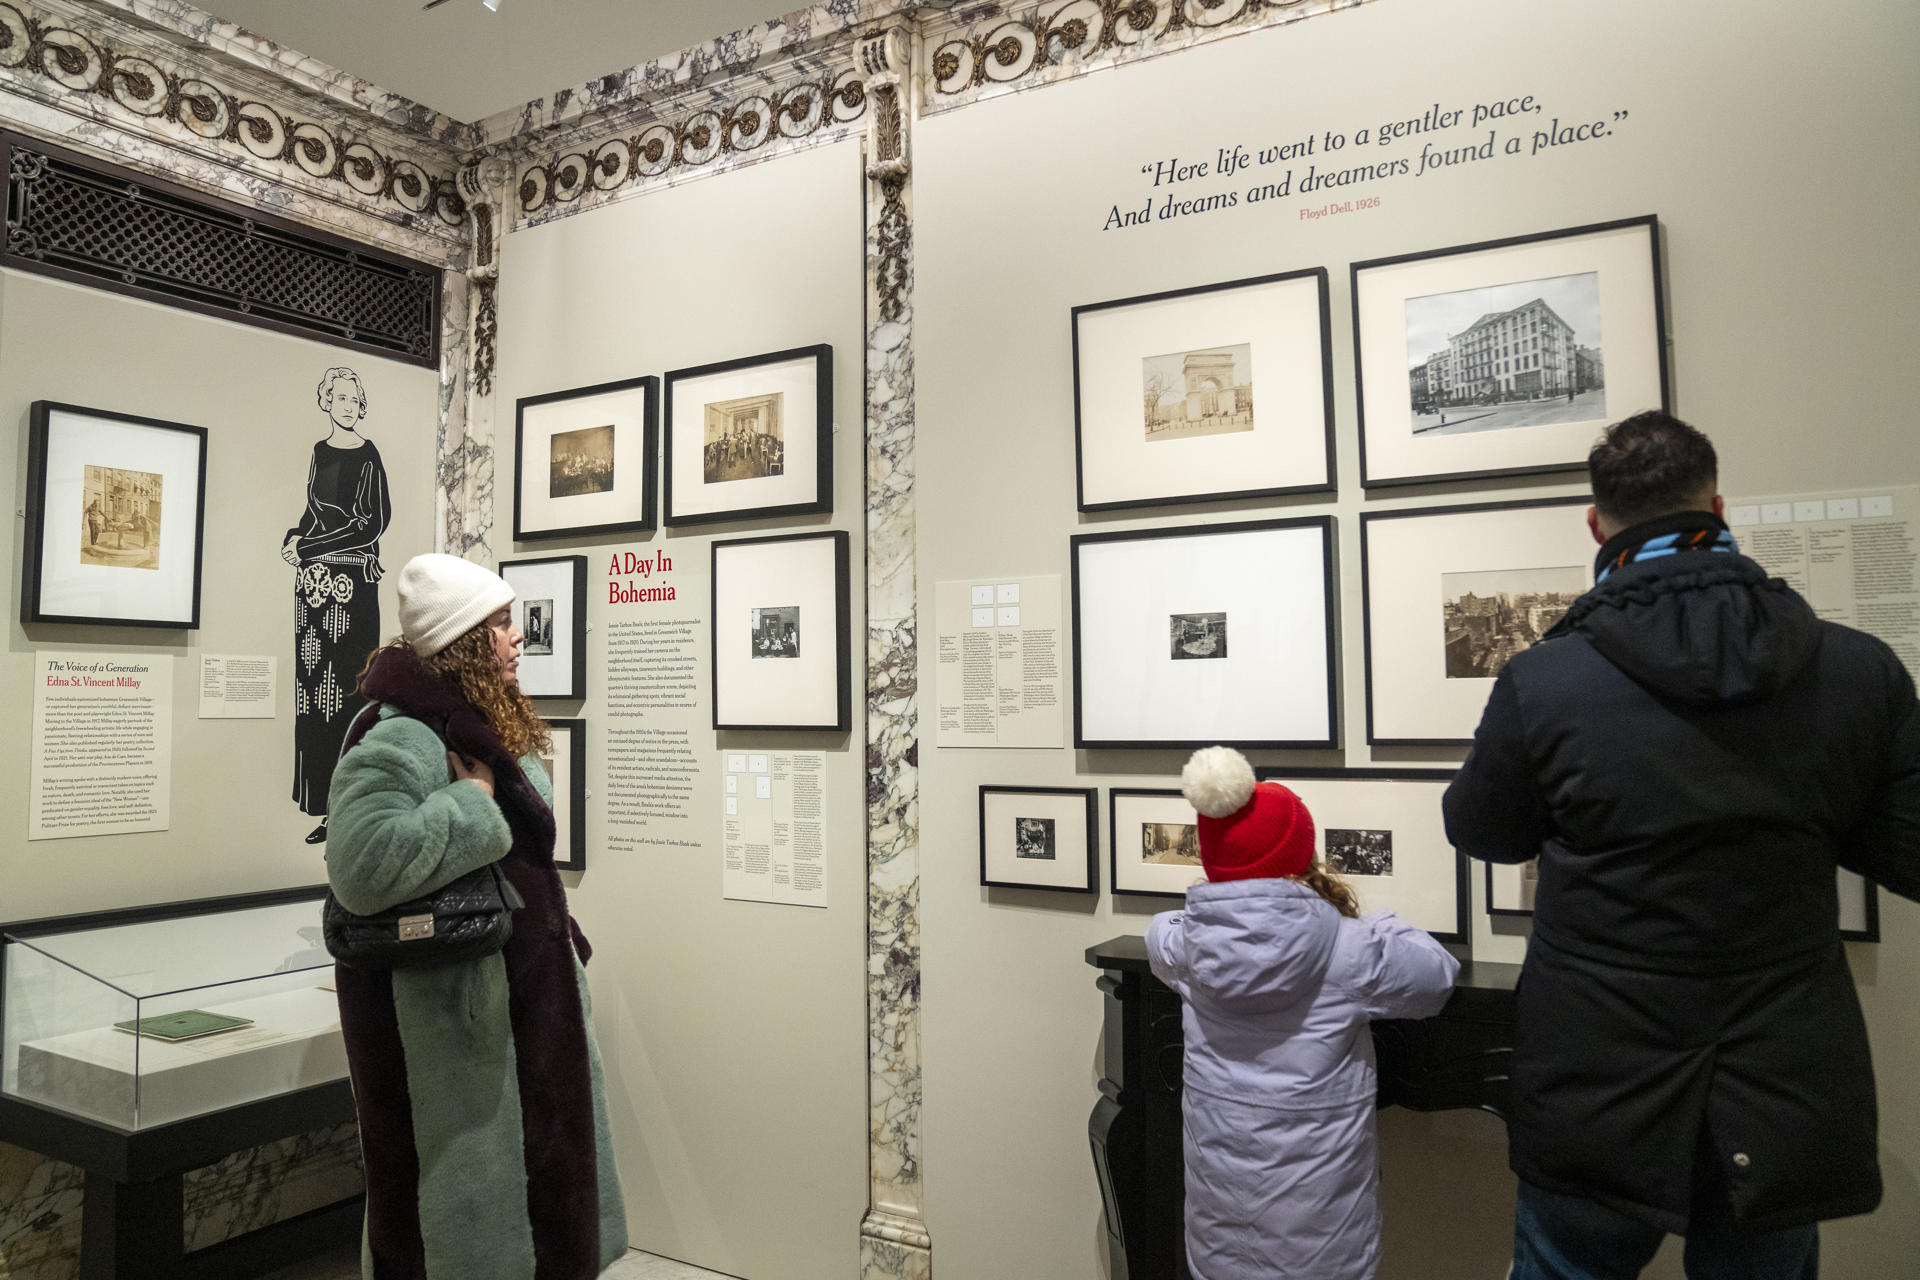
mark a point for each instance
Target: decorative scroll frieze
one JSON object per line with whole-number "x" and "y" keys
{"x": 981, "y": 50}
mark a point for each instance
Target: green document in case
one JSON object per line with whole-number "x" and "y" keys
{"x": 188, "y": 1024}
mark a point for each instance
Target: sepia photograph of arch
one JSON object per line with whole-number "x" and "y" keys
{"x": 1208, "y": 392}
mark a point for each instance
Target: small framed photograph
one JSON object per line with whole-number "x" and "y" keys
{"x": 550, "y": 608}
{"x": 751, "y": 438}
{"x": 115, "y": 516}
{"x": 1154, "y": 841}
{"x": 1038, "y": 838}
{"x": 1202, "y": 635}
{"x": 1196, "y": 395}
{"x": 567, "y": 770}
{"x": 782, "y": 647}
{"x": 1508, "y": 357}
{"x": 1511, "y": 888}
{"x": 1451, "y": 593}
{"x": 584, "y": 461}
{"x": 1381, "y": 830}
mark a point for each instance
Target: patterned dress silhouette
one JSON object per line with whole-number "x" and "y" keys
{"x": 336, "y": 607}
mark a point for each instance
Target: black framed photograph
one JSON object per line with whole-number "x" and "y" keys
{"x": 115, "y": 519}
{"x": 1506, "y": 357}
{"x": 1449, "y": 594}
{"x": 566, "y": 769}
{"x": 1204, "y": 635}
{"x": 1511, "y": 888}
{"x": 584, "y": 461}
{"x": 1196, "y": 395}
{"x": 1039, "y": 838}
{"x": 550, "y": 608}
{"x": 782, "y": 645}
{"x": 751, "y": 438}
{"x": 1153, "y": 838}
{"x": 1381, "y": 830}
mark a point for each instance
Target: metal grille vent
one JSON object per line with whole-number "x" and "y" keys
{"x": 94, "y": 224}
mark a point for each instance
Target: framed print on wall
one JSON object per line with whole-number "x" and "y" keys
{"x": 1153, "y": 836}
{"x": 1205, "y": 635}
{"x": 751, "y": 438}
{"x": 782, "y": 650}
{"x": 1195, "y": 395}
{"x": 567, "y": 769}
{"x": 1382, "y": 831}
{"x": 115, "y": 517}
{"x": 584, "y": 460}
{"x": 550, "y": 608}
{"x": 1449, "y": 594}
{"x": 1506, "y": 357}
{"x": 1511, "y": 888}
{"x": 1038, "y": 838}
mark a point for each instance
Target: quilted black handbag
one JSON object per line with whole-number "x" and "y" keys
{"x": 462, "y": 920}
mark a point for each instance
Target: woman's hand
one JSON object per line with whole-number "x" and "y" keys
{"x": 291, "y": 552}
{"x": 471, "y": 771}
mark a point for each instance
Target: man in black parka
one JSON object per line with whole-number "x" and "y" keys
{"x": 1690, "y": 753}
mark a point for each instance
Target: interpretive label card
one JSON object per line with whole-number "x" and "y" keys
{"x": 776, "y": 828}
{"x": 1000, "y": 681}
{"x": 102, "y": 744}
{"x": 237, "y": 686}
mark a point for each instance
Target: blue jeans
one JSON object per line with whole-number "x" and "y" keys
{"x": 1557, "y": 1237}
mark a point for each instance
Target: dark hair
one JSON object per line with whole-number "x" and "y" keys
{"x": 1649, "y": 465}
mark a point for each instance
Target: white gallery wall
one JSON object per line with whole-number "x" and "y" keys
{"x": 1772, "y": 145}
{"x": 733, "y": 1033}
{"x": 234, "y": 825}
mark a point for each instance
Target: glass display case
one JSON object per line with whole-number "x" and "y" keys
{"x": 147, "y": 1021}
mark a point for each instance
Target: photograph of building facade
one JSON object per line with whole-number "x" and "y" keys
{"x": 1489, "y": 616}
{"x": 1511, "y": 355}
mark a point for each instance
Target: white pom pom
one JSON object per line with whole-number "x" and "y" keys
{"x": 1217, "y": 781}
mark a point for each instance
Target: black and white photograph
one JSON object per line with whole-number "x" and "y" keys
{"x": 1198, "y": 393}
{"x": 1196, "y": 635}
{"x": 1490, "y": 615}
{"x": 565, "y": 764}
{"x": 1038, "y": 838}
{"x": 1033, "y": 838}
{"x": 776, "y": 632}
{"x": 122, "y": 516}
{"x": 744, "y": 439}
{"x": 1509, "y": 355}
{"x": 538, "y": 628}
{"x": 580, "y": 462}
{"x": 1170, "y": 844}
{"x": 1360, "y": 851}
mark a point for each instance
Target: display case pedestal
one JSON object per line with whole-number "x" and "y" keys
{"x": 1455, "y": 1059}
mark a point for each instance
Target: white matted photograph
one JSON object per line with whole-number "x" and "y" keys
{"x": 1449, "y": 595}
{"x": 550, "y": 608}
{"x": 1038, "y": 838}
{"x": 1165, "y": 391}
{"x": 584, "y": 460}
{"x": 1509, "y": 356}
{"x": 750, "y": 438}
{"x": 1205, "y": 634}
{"x": 1382, "y": 831}
{"x": 764, "y": 677}
{"x": 114, "y": 516}
{"x": 566, "y": 766}
{"x": 1154, "y": 841}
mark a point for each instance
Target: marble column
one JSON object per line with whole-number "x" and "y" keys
{"x": 894, "y": 1244}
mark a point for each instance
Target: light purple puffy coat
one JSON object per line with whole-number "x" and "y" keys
{"x": 1282, "y": 1163}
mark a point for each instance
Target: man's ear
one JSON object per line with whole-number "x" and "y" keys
{"x": 1719, "y": 506}
{"x": 1593, "y": 525}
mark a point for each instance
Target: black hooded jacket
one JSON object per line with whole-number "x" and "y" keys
{"x": 1691, "y": 753}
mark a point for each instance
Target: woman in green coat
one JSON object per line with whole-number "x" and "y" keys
{"x": 482, "y": 1116}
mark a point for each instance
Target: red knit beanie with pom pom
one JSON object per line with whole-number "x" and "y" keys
{"x": 1248, "y": 830}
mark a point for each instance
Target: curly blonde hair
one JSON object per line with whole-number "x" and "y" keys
{"x": 340, "y": 373}
{"x": 1321, "y": 879}
{"x": 471, "y": 668}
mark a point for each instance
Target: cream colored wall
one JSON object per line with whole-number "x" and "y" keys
{"x": 734, "y": 1033}
{"x": 1772, "y": 144}
{"x": 234, "y": 827}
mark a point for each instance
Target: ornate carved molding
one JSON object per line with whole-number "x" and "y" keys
{"x": 981, "y": 50}
{"x": 57, "y": 55}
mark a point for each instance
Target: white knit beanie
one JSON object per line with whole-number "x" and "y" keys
{"x": 443, "y": 597}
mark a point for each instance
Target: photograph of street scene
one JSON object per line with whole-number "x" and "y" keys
{"x": 1490, "y": 615}
{"x": 1198, "y": 393}
{"x": 1508, "y": 355}
{"x": 1359, "y": 852}
{"x": 120, "y": 518}
{"x": 1175, "y": 844}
